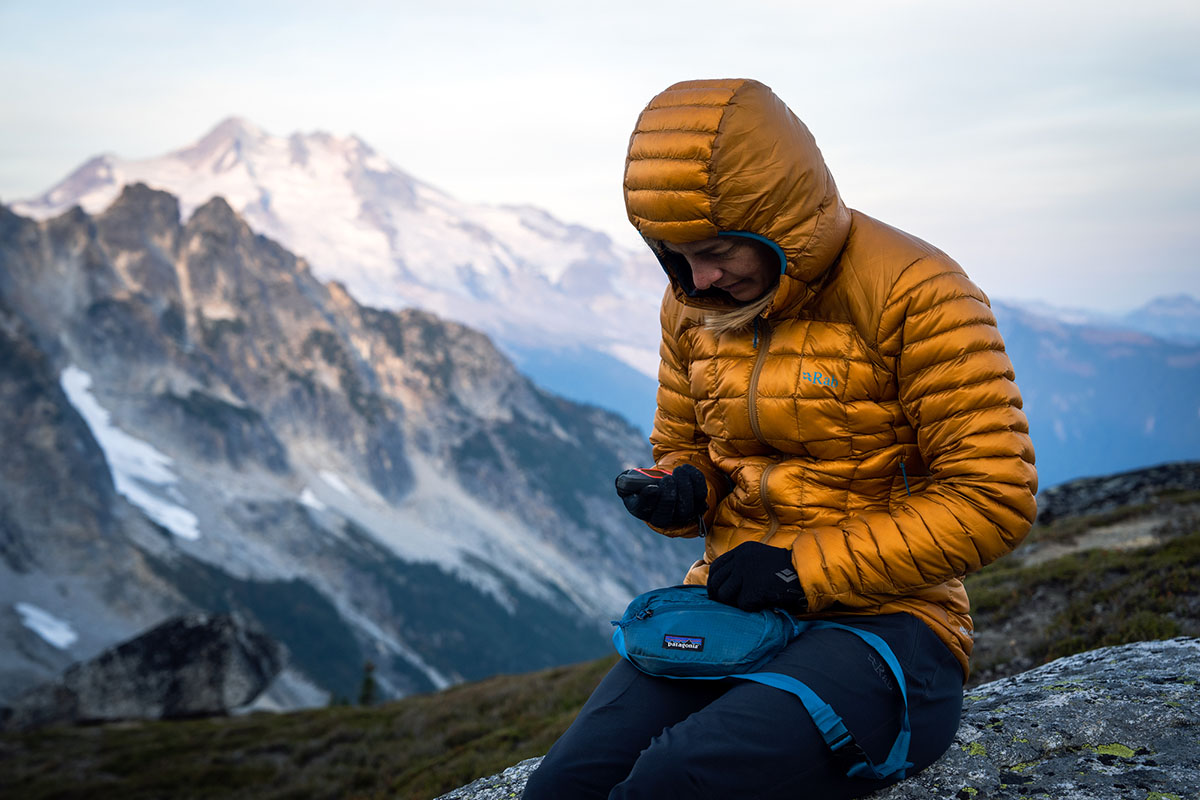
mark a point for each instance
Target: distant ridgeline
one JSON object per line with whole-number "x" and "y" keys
{"x": 1099, "y": 494}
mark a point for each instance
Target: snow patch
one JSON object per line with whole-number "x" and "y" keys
{"x": 309, "y": 498}
{"x": 136, "y": 465}
{"x": 55, "y": 631}
{"x": 336, "y": 482}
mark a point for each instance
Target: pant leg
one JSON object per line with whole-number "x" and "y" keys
{"x": 623, "y": 714}
{"x": 756, "y": 741}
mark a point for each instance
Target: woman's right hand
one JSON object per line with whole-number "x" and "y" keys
{"x": 664, "y": 499}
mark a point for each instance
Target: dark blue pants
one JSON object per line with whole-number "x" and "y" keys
{"x": 651, "y": 738}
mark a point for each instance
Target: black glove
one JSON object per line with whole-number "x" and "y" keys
{"x": 664, "y": 499}
{"x": 754, "y": 575}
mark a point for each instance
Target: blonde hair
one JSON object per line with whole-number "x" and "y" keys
{"x": 740, "y": 317}
{"x": 735, "y": 318}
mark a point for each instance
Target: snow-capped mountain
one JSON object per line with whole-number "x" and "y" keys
{"x": 1172, "y": 319}
{"x": 193, "y": 421}
{"x": 1175, "y": 318}
{"x": 531, "y": 282}
{"x": 579, "y": 315}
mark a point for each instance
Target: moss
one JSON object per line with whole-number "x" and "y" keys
{"x": 1114, "y": 749}
{"x": 1180, "y": 495}
{"x": 974, "y": 749}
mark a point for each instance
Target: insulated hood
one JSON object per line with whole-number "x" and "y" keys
{"x": 718, "y": 156}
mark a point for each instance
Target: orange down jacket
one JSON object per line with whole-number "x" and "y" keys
{"x": 869, "y": 418}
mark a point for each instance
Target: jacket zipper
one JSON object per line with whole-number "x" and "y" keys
{"x": 752, "y": 398}
{"x": 752, "y": 393}
{"x": 772, "y": 518}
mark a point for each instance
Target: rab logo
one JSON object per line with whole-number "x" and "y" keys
{"x": 692, "y": 643}
{"x": 880, "y": 670}
{"x": 819, "y": 379}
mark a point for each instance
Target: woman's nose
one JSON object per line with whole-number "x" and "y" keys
{"x": 704, "y": 276}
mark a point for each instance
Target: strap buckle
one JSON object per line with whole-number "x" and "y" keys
{"x": 848, "y": 754}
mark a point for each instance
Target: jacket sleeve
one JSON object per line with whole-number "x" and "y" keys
{"x": 956, "y": 387}
{"x": 677, "y": 438}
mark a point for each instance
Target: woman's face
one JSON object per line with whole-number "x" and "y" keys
{"x": 743, "y": 268}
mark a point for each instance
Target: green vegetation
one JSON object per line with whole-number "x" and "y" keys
{"x": 293, "y": 612}
{"x": 416, "y": 748}
{"x": 459, "y": 629}
{"x": 1090, "y": 599}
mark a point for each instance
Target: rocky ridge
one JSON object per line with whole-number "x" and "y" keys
{"x": 1133, "y": 487}
{"x": 199, "y": 424}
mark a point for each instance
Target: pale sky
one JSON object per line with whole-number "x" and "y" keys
{"x": 1052, "y": 148}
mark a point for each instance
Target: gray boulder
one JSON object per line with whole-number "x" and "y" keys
{"x": 189, "y": 666}
{"x": 1119, "y": 723}
{"x": 1096, "y": 495}
{"x": 505, "y": 786}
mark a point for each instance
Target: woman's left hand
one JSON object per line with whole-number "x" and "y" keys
{"x": 753, "y": 576}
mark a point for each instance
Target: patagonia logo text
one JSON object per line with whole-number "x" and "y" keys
{"x": 673, "y": 642}
{"x": 819, "y": 379}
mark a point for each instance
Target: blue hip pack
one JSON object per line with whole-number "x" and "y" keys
{"x": 678, "y": 632}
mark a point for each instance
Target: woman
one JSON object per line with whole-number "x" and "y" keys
{"x": 837, "y": 413}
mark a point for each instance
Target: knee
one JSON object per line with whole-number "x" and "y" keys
{"x": 544, "y": 783}
{"x": 661, "y": 773}
{"x": 552, "y": 780}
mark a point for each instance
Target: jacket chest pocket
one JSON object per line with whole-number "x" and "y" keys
{"x": 806, "y": 389}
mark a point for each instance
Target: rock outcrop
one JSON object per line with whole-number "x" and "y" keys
{"x": 1110, "y": 724}
{"x": 190, "y": 666}
{"x": 1099, "y": 494}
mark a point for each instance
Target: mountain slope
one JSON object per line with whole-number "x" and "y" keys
{"x": 1173, "y": 319}
{"x": 365, "y": 484}
{"x": 516, "y": 273}
{"x": 1102, "y": 399}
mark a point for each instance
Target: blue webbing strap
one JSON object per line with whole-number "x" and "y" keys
{"x": 832, "y": 729}
{"x": 829, "y": 723}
